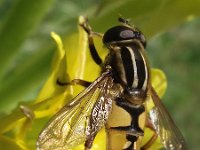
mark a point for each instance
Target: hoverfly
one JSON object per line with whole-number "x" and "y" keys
{"x": 115, "y": 100}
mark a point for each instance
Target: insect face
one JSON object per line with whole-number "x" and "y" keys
{"x": 122, "y": 34}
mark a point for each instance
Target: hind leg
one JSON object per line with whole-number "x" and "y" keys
{"x": 153, "y": 137}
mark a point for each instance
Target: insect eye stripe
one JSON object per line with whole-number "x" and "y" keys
{"x": 128, "y": 65}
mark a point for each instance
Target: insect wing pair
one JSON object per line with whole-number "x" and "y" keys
{"x": 69, "y": 127}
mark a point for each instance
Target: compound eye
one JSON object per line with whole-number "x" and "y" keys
{"x": 122, "y": 33}
{"x": 117, "y": 33}
{"x": 143, "y": 40}
{"x": 127, "y": 34}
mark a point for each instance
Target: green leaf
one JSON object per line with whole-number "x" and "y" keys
{"x": 152, "y": 17}
{"x": 22, "y": 20}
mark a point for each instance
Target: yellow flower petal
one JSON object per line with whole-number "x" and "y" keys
{"x": 59, "y": 72}
{"x": 158, "y": 81}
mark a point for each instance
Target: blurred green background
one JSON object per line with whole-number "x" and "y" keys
{"x": 172, "y": 29}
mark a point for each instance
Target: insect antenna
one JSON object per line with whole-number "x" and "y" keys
{"x": 124, "y": 21}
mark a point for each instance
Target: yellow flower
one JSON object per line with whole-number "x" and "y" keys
{"x": 20, "y": 129}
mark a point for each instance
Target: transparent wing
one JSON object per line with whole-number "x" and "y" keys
{"x": 68, "y": 127}
{"x": 164, "y": 125}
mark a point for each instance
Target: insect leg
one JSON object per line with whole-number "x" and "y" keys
{"x": 89, "y": 142}
{"x": 81, "y": 82}
{"x": 84, "y": 24}
{"x": 74, "y": 82}
{"x": 153, "y": 138}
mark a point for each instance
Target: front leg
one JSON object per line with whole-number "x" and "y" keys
{"x": 83, "y": 22}
{"x": 74, "y": 82}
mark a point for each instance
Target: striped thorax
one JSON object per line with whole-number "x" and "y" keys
{"x": 128, "y": 61}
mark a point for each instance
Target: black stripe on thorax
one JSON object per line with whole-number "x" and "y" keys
{"x": 128, "y": 65}
{"x": 140, "y": 65}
